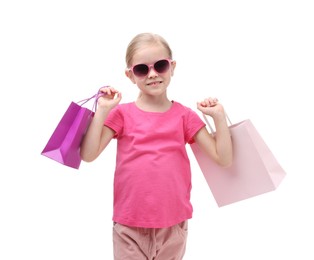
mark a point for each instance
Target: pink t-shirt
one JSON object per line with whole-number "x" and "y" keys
{"x": 152, "y": 181}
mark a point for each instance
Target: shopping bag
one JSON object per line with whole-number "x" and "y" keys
{"x": 254, "y": 170}
{"x": 64, "y": 144}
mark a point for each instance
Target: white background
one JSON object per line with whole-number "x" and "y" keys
{"x": 255, "y": 56}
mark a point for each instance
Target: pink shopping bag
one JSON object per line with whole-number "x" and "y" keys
{"x": 64, "y": 144}
{"x": 254, "y": 171}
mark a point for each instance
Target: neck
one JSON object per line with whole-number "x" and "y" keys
{"x": 153, "y": 103}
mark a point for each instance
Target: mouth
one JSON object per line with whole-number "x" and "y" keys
{"x": 154, "y": 83}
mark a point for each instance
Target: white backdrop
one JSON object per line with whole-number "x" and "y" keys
{"x": 255, "y": 56}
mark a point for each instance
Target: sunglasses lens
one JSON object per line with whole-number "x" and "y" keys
{"x": 161, "y": 66}
{"x": 140, "y": 70}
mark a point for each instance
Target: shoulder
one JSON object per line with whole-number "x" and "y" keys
{"x": 125, "y": 106}
{"x": 122, "y": 108}
{"x": 183, "y": 109}
{"x": 188, "y": 115}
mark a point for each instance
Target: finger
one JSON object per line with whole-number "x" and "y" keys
{"x": 207, "y": 102}
{"x": 104, "y": 89}
{"x": 112, "y": 91}
{"x": 108, "y": 91}
{"x": 212, "y": 101}
{"x": 201, "y": 106}
{"x": 119, "y": 96}
{"x": 204, "y": 103}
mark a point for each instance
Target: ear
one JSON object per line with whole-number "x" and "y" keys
{"x": 173, "y": 66}
{"x": 130, "y": 75}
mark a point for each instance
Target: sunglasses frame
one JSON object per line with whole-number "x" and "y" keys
{"x": 150, "y": 66}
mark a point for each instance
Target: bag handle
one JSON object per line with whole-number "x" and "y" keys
{"x": 209, "y": 125}
{"x": 96, "y": 96}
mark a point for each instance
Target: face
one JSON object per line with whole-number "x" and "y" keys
{"x": 154, "y": 83}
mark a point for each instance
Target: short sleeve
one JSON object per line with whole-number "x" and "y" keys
{"x": 193, "y": 124}
{"x": 115, "y": 121}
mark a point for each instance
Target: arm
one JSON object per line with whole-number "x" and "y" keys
{"x": 98, "y": 136}
{"x": 219, "y": 147}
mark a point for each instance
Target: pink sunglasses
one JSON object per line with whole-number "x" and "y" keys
{"x": 141, "y": 70}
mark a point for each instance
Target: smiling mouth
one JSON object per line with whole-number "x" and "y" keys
{"x": 155, "y": 83}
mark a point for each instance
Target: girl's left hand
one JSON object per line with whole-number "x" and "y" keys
{"x": 210, "y": 106}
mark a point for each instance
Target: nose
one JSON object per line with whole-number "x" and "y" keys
{"x": 152, "y": 73}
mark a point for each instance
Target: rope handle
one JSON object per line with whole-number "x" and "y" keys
{"x": 96, "y": 96}
{"x": 209, "y": 125}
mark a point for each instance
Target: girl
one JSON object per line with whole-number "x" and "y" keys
{"x": 152, "y": 180}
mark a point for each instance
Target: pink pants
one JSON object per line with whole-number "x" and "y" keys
{"x": 133, "y": 243}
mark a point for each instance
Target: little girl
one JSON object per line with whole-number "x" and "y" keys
{"x": 152, "y": 182}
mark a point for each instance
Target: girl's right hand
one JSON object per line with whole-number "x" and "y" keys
{"x": 109, "y": 97}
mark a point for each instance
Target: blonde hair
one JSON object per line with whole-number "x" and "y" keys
{"x": 144, "y": 38}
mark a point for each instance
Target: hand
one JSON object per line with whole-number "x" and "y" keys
{"x": 109, "y": 97}
{"x": 210, "y": 106}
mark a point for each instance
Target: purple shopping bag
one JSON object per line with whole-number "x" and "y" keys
{"x": 254, "y": 170}
{"x": 64, "y": 144}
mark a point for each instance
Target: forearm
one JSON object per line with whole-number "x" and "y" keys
{"x": 223, "y": 142}
{"x": 91, "y": 145}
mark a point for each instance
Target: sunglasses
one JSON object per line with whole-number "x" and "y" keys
{"x": 141, "y": 70}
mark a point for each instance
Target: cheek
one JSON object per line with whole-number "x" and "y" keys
{"x": 131, "y": 77}
{"x": 133, "y": 80}
{"x": 140, "y": 82}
